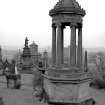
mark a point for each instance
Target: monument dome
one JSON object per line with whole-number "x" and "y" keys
{"x": 68, "y": 7}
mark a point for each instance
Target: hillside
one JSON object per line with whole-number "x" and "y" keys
{"x": 9, "y": 51}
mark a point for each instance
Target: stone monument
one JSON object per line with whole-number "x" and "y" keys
{"x": 26, "y": 57}
{"x": 30, "y": 56}
{"x": 67, "y": 85}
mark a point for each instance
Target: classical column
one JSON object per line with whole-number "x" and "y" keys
{"x": 79, "y": 52}
{"x": 73, "y": 45}
{"x": 53, "y": 45}
{"x": 62, "y": 45}
{"x": 59, "y": 45}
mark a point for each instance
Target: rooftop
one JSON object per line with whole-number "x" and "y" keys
{"x": 33, "y": 44}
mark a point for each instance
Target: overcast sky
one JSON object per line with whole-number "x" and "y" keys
{"x": 21, "y": 18}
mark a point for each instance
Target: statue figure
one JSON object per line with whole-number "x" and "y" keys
{"x": 26, "y": 42}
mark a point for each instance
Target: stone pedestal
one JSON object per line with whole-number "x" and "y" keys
{"x": 67, "y": 85}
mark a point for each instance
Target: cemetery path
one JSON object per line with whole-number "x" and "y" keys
{"x": 18, "y": 97}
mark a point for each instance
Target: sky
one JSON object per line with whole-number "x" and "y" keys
{"x": 21, "y": 18}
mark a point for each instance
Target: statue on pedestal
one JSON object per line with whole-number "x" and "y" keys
{"x": 26, "y": 42}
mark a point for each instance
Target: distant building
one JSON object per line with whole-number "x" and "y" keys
{"x": 34, "y": 53}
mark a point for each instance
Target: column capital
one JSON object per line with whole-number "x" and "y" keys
{"x": 58, "y": 24}
{"x": 73, "y": 24}
{"x": 53, "y": 25}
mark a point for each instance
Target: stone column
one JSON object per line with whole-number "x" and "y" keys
{"x": 62, "y": 46}
{"x": 59, "y": 45}
{"x": 53, "y": 45}
{"x": 73, "y": 45}
{"x": 79, "y": 52}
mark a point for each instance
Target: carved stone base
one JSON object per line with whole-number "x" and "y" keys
{"x": 65, "y": 86}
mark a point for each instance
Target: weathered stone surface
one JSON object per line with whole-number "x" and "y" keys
{"x": 67, "y": 93}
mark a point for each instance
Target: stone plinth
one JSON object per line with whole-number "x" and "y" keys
{"x": 68, "y": 93}
{"x": 67, "y": 85}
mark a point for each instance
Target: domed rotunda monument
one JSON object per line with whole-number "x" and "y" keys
{"x": 67, "y": 85}
{"x": 67, "y": 13}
